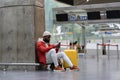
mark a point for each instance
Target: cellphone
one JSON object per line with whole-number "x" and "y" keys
{"x": 59, "y": 43}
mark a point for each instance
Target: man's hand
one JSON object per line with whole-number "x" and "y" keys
{"x": 57, "y": 45}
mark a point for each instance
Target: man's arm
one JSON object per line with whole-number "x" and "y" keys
{"x": 42, "y": 47}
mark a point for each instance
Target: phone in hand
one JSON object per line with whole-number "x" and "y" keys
{"x": 58, "y": 44}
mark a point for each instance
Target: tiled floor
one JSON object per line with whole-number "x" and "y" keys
{"x": 91, "y": 69}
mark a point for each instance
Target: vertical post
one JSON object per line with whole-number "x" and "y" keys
{"x": 103, "y": 47}
{"x": 108, "y": 51}
{"x": 83, "y": 38}
{"x": 97, "y": 52}
{"x": 72, "y": 37}
{"x": 117, "y": 52}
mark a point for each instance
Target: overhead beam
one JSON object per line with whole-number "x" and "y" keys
{"x": 104, "y": 6}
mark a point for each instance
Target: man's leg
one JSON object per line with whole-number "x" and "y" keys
{"x": 51, "y": 57}
{"x": 67, "y": 60}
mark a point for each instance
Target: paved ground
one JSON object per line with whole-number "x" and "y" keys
{"x": 91, "y": 69}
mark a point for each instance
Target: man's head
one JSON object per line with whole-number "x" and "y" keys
{"x": 46, "y": 36}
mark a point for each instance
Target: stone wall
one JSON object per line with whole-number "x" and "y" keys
{"x": 18, "y": 31}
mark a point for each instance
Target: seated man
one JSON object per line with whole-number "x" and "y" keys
{"x": 48, "y": 53}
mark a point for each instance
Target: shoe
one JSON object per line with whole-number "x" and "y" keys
{"x": 59, "y": 68}
{"x": 74, "y": 68}
{"x": 52, "y": 66}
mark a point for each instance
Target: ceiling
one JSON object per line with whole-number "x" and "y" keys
{"x": 109, "y": 25}
{"x": 82, "y": 2}
{"x": 79, "y": 2}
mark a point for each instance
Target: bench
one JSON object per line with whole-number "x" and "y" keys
{"x": 18, "y": 64}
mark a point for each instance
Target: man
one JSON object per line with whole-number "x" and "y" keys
{"x": 48, "y": 53}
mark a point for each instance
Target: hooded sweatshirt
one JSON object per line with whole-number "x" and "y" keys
{"x": 41, "y": 49}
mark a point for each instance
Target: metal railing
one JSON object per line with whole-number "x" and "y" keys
{"x": 108, "y": 45}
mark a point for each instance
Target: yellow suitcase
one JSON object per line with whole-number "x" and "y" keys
{"x": 72, "y": 54}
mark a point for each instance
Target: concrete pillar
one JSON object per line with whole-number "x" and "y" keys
{"x": 21, "y": 23}
{"x": 39, "y": 18}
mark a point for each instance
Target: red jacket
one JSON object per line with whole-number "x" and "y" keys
{"x": 41, "y": 51}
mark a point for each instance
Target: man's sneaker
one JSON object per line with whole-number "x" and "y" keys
{"x": 74, "y": 68}
{"x": 59, "y": 68}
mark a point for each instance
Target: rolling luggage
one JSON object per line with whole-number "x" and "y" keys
{"x": 72, "y": 54}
